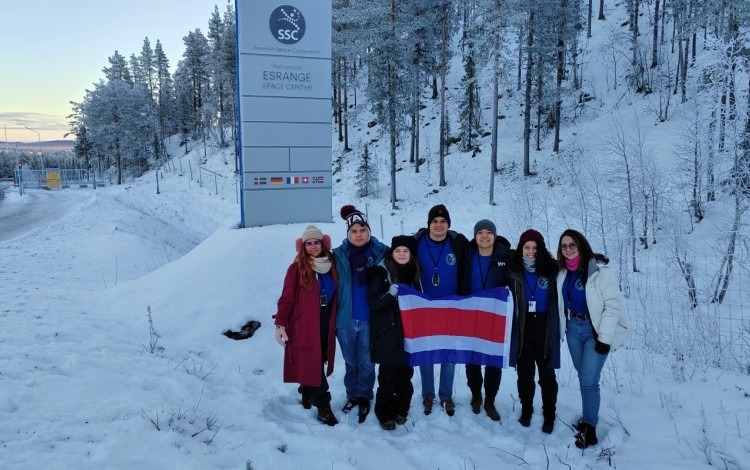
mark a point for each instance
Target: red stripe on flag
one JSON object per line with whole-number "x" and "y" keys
{"x": 419, "y": 322}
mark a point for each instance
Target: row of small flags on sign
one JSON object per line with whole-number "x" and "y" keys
{"x": 290, "y": 180}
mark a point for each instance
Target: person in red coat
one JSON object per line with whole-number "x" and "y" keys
{"x": 306, "y": 321}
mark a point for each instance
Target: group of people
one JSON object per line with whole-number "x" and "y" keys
{"x": 350, "y": 293}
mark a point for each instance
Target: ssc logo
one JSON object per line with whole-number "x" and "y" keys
{"x": 543, "y": 283}
{"x": 450, "y": 259}
{"x": 287, "y": 24}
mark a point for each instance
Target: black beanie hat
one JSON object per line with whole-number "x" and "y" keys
{"x": 404, "y": 240}
{"x": 438, "y": 211}
{"x": 352, "y": 216}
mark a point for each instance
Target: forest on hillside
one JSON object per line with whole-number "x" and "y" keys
{"x": 393, "y": 57}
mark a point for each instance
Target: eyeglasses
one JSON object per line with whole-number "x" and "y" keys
{"x": 312, "y": 243}
{"x": 569, "y": 247}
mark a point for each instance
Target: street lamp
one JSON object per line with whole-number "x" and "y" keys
{"x": 39, "y": 137}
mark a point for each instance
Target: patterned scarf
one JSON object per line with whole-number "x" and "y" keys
{"x": 358, "y": 261}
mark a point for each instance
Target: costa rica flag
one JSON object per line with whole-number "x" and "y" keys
{"x": 472, "y": 329}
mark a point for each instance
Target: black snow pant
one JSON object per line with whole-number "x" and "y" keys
{"x": 532, "y": 357}
{"x": 394, "y": 392}
{"x": 492, "y": 377}
{"x": 320, "y": 396}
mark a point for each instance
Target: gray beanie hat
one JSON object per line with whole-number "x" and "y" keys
{"x": 485, "y": 224}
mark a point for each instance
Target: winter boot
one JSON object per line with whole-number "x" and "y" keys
{"x": 400, "y": 419}
{"x": 578, "y": 426}
{"x": 306, "y": 403}
{"x": 489, "y": 408}
{"x": 389, "y": 425}
{"x": 476, "y": 402}
{"x": 364, "y": 409}
{"x": 325, "y": 415}
{"x": 586, "y": 437}
{"x": 427, "y": 403}
{"x": 525, "y": 419}
{"x": 448, "y": 406}
{"x": 548, "y": 425}
{"x": 349, "y": 405}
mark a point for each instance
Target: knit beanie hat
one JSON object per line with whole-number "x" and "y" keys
{"x": 531, "y": 235}
{"x": 485, "y": 224}
{"x": 404, "y": 240}
{"x": 438, "y": 211}
{"x": 352, "y": 216}
{"x": 312, "y": 233}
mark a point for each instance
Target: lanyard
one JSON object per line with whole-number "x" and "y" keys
{"x": 429, "y": 252}
{"x": 322, "y": 291}
{"x": 536, "y": 283}
{"x": 484, "y": 276}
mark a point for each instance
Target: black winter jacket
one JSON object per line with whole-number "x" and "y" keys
{"x": 386, "y": 329}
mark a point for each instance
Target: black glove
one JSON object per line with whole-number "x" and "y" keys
{"x": 601, "y": 348}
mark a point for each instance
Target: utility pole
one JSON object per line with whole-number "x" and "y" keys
{"x": 39, "y": 137}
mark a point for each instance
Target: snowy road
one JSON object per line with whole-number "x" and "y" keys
{"x": 35, "y": 209}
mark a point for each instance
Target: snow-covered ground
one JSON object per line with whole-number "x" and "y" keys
{"x": 82, "y": 384}
{"x": 86, "y": 383}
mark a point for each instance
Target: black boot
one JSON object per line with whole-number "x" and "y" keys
{"x": 349, "y": 405}
{"x": 325, "y": 415}
{"x": 364, "y": 409}
{"x": 525, "y": 419}
{"x": 306, "y": 403}
{"x": 476, "y": 402}
{"x": 549, "y": 424}
{"x": 586, "y": 437}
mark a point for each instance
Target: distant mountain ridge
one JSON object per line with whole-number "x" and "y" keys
{"x": 48, "y": 145}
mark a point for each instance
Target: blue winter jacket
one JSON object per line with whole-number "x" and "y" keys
{"x": 344, "y": 270}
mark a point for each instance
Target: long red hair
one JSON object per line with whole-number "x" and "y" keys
{"x": 305, "y": 262}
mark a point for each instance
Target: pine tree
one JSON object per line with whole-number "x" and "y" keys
{"x": 165, "y": 102}
{"x": 470, "y": 109}
{"x": 367, "y": 176}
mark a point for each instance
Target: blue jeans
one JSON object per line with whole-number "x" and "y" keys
{"x": 359, "y": 378}
{"x": 588, "y": 364}
{"x": 447, "y": 371}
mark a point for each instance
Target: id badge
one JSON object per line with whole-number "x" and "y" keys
{"x": 436, "y": 279}
{"x": 532, "y": 306}
{"x": 323, "y": 300}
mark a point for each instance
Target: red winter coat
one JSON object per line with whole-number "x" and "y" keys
{"x": 299, "y": 312}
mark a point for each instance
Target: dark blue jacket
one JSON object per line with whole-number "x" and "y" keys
{"x": 498, "y": 270}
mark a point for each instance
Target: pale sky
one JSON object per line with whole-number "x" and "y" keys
{"x": 51, "y": 51}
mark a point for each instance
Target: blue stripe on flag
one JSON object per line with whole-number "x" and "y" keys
{"x": 453, "y": 356}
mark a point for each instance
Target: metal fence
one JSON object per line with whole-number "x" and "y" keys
{"x": 678, "y": 301}
{"x": 63, "y": 178}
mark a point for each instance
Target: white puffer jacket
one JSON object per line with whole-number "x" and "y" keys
{"x": 608, "y": 315}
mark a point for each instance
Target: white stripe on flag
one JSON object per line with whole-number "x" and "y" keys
{"x": 487, "y": 304}
{"x": 463, "y": 343}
